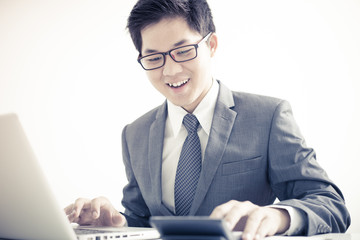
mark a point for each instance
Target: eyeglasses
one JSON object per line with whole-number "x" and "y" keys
{"x": 179, "y": 54}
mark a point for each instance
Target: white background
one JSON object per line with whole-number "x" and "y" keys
{"x": 69, "y": 70}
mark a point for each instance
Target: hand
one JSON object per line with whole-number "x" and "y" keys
{"x": 96, "y": 212}
{"x": 256, "y": 222}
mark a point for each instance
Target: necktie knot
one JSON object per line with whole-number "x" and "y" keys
{"x": 191, "y": 123}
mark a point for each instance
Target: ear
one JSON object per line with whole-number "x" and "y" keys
{"x": 213, "y": 43}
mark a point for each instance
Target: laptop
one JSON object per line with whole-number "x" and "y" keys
{"x": 28, "y": 208}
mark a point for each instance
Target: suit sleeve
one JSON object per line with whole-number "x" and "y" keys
{"x": 299, "y": 181}
{"x": 136, "y": 211}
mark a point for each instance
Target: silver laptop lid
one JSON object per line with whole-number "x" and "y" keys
{"x": 28, "y": 209}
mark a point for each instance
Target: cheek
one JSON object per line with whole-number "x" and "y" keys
{"x": 153, "y": 76}
{"x": 192, "y": 67}
{"x": 199, "y": 69}
{"x": 200, "y": 66}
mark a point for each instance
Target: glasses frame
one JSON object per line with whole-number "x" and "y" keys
{"x": 204, "y": 39}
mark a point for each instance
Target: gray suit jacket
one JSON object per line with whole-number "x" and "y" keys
{"x": 255, "y": 152}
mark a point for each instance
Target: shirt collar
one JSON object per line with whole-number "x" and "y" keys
{"x": 204, "y": 111}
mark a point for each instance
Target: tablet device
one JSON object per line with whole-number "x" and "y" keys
{"x": 191, "y": 227}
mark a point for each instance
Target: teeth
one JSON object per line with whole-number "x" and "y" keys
{"x": 178, "y": 84}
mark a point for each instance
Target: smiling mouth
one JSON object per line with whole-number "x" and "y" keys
{"x": 178, "y": 84}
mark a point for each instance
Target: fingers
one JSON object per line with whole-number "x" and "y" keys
{"x": 78, "y": 211}
{"x": 68, "y": 210}
{"x": 98, "y": 212}
{"x": 234, "y": 213}
{"x": 96, "y": 204}
{"x": 257, "y": 225}
{"x": 239, "y": 211}
{"x": 265, "y": 229}
{"x": 109, "y": 216}
{"x": 118, "y": 220}
{"x": 265, "y": 221}
{"x": 222, "y": 210}
{"x": 81, "y": 205}
{"x": 255, "y": 221}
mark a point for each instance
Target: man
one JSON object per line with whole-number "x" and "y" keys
{"x": 242, "y": 153}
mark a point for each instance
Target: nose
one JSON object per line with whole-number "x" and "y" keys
{"x": 171, "y": 67}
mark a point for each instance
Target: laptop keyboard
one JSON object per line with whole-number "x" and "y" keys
{"x": 97, "y": 234}
{"x": 82, "y": 231}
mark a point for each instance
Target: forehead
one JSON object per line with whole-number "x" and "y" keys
{"x": 167, "y": 33}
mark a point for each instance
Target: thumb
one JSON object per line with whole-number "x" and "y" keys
{"x": 118, "y": 220}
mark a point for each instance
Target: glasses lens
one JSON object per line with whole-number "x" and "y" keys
{"x": 183, "y": 53}
{"x": 152, "y": 61}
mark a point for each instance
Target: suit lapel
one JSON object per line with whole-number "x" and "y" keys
{"x": 156, "y": 141}
{"x": 221, "y": 128}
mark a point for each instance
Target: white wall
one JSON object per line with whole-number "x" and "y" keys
{"x": 68, "y": 68}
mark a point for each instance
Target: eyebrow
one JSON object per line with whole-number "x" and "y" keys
{"x": 149, "y": 51}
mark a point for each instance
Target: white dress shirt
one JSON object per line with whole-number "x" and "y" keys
{"x": 175, "y": 134}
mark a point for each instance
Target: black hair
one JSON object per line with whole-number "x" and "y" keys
{"x": 197, "y": 14}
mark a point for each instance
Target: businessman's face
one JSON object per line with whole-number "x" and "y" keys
{"x": 183, "y": 83}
